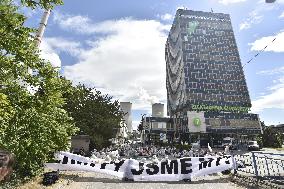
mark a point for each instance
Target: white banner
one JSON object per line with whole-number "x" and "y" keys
{"x": 171, "y": 170}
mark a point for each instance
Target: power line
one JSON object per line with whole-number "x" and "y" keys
{"x": 257, "y": 54}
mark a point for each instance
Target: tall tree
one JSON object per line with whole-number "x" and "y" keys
{"x": 94, "y": 113}
{"x": 33, "y": 123}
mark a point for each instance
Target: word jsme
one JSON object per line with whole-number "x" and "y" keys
{"x": 169, "y": 170}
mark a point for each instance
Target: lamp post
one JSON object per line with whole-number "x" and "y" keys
{"x": 143, "y": 128}
{"x": 150, "y": 129}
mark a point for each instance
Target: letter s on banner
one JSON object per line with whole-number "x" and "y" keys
{"x": 154, "y": 167}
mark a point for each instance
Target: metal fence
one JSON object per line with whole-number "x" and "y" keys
{"x": 267, "y": 168}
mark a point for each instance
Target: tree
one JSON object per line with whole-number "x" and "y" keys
{"x": 33, "y": 123}
{"x": 45, "y": 4}
{"x": 95, "y": 114}
{"x": 271, "y": 138}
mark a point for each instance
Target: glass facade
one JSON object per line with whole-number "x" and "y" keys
{"x": 204, "y": 71}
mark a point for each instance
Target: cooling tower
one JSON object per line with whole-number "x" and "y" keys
{"x": 158, "y": 110}
{"x": 126, "y": 108}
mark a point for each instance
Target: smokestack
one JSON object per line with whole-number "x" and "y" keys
{"x": 42, "y": 26}
{"x": 157, "y": 110}
{"x": 126, "y": 108}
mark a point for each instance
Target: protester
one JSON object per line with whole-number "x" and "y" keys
{"x": 150, "y": 152}
{"x": 6, "y": 165}
{"x": 82, "y": 152}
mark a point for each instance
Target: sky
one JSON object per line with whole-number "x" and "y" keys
{"x": 118, "y": 47}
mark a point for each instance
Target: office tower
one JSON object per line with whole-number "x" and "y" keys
{"x": 206, "y": 86}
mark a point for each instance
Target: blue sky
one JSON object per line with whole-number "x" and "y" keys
{"x": 118, "y": 47}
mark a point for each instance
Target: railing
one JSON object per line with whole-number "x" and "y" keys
{"x": 267, "y": 168}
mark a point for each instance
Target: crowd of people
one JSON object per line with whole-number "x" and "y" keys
{"x": 155, "y": 153}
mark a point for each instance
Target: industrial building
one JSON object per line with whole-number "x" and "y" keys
{"x": 157, "y": 128}
{"x": 206, "y": 87}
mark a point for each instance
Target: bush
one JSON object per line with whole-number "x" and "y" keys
{"x": 183, "y": 146}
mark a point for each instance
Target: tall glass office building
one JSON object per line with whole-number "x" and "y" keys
{"x": 206, "y": 86}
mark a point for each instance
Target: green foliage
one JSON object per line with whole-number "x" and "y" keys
{"x": 33, "y": 124}
{"x": 95, "y": 114}
{"x": 259, "y": 140}
{"x": 45, "y": 4}
{"x": 183, "y": 146}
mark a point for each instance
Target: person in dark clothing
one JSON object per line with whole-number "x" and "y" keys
{"x": 82, "y": 152}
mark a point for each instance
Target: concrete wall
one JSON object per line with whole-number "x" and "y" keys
{"x": 80, "y": 141}
{"x": 126, "y": 108}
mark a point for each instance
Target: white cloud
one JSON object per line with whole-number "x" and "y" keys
{"x": 60, "y": 44}
{"x": 253, "y": 18}
{"x": 281, "y": 15}
{"x": 127, "y": 62}
{"x": 272, "y": 72}
{"x": 276, "y": 46}
{"x": 257, "y": 14}
{"x": 227, "y": 2}
{"x": 181, "y": 7}
{"x": 166, "y": 17}
{"x": 49, "y": 54}
{"x": 84, "y": 25}
{"x": 78, "y": 23}
{"x": 274, "y": 98}
{"x": 280, "y": 1}
{"x": 51, "y": 47}
{"x": 135, "y": 124}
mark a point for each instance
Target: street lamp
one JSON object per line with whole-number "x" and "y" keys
{"x": 143, "y": 128}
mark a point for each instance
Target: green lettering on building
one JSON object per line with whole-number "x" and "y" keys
{"x": 202, "y": 107}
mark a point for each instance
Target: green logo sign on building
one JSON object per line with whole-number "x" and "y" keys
{"x": 196, "y": 122}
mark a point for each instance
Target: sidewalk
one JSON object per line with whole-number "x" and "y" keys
{"x": 89, "y": 180}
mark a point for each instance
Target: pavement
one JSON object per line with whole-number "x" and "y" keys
{"x": 90, "y": 180}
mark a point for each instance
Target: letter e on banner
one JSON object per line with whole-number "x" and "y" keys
{"x": 185, "y": 165}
